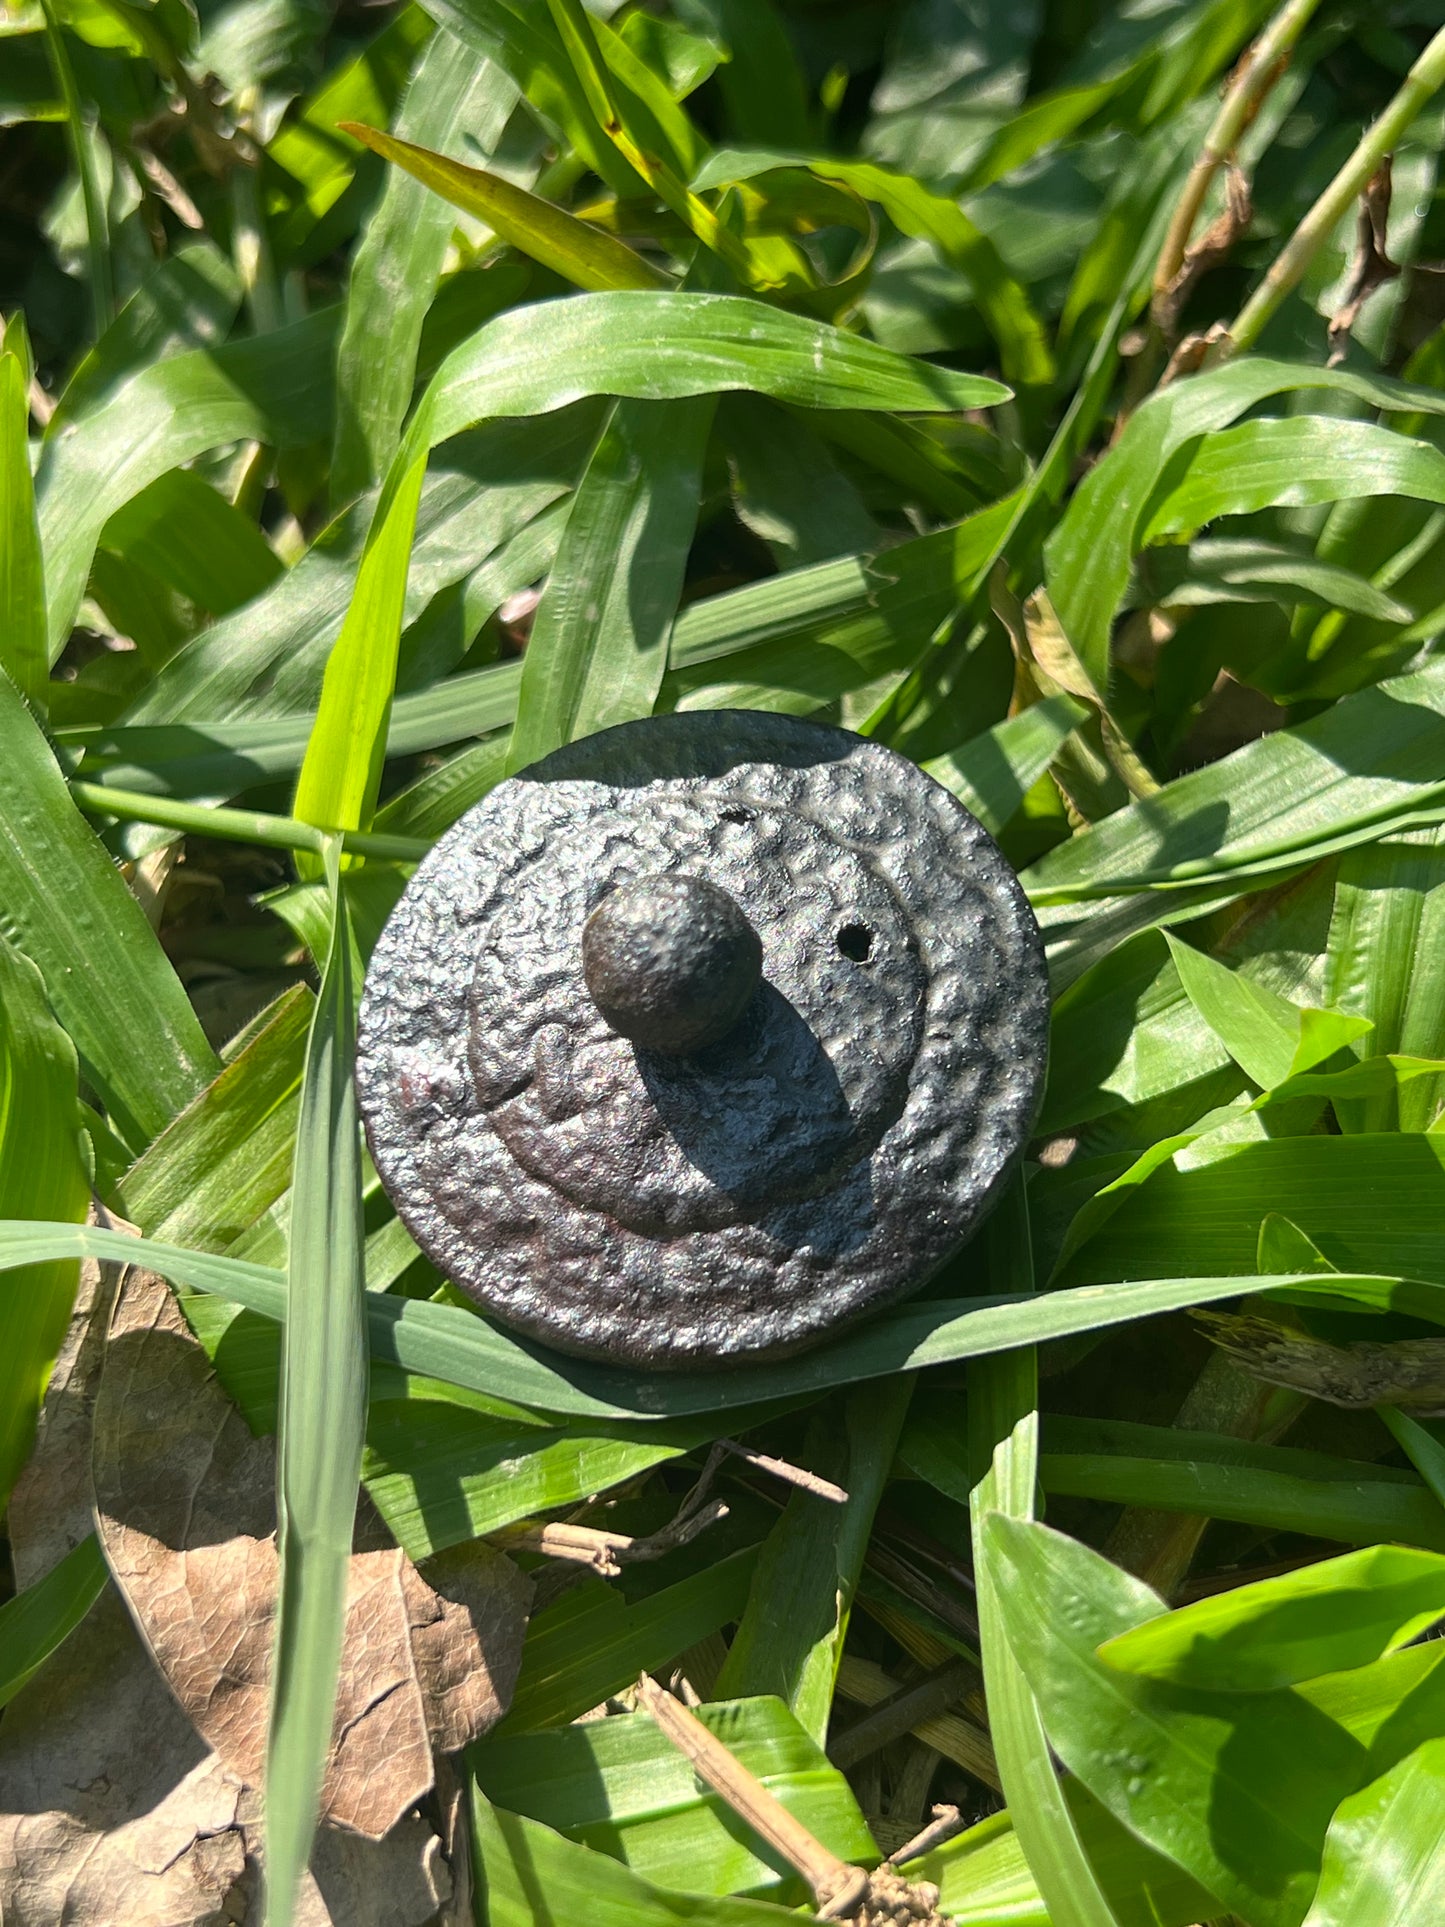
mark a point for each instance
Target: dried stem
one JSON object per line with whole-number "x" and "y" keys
{"x": 790, "y": 1474}
{"x": 1424, "y": 79}
{"x": 841, "y": 1891}
{"x": 608, "y": 1552}
{"x": 830, "y": 1878}
{"x": 945, "y": 1824}
{"x": 1251, "y": 81}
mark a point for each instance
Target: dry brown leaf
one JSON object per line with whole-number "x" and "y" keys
{"x": 112, "y": 1808}
{"x": 185, "y": 1506}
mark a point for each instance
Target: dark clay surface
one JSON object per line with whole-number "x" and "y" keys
{"x": 818, "y": 1160}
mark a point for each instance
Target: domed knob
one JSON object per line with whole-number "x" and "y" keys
{"x": 671, "y": 961}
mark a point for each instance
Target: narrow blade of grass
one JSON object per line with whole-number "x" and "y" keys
{"x": 23, "y": 652}
{"x": 1004, "y": 1439}
{"x": 322, "y": 1425}
{"x": 40, "y": 1172}
{"x": 598, "y": 649}
{"x": 36, "y": 1622}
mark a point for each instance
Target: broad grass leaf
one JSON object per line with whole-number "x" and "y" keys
{"x": 1384, "y": 962}
{"x": 1382, "y": 1864}
{"x": 322, "y": 1422}
{"x": 1003, "y": 1441}
{"x": 227, "y": 1156}
{"x": 1123, "y": 1033}
{"x": 62, "y": 903}
{"x": 1089, "y": 553}
{"x": 1367, "y": 766}
{"x": 1225, "y": 569}
{"x": 37, "y": 1621}
{"x": 593, "y": 1641}
{"x": 440, "y": 1474}
{"x": 598, "y": 647}
{"x": 394, "y": 271}
{"x": 525, "y": 43}
{"x": 1290, "y": 464}
{"x": 529, "y": 361}
{"x": 188, "y": 300}
{"x": 588, "y": 257}
{"x": 460, "y": 1348}
{"x": 1325, "y": 1618}
{"x": 311, "y": 168}
{"x": 984, "y": 1878}
{"x": 761, "y": 82}
{"x": 1330, "y": 1186}
{"x": 922, "y": 212}
{"x": 24, "y": 654}
{"x": 187, "y": 535}
{"x": 1237, "y": 1788}
{"x": 620, "y": 1787}
{"x": 41, "y": 1170}
{"x": 534, "y": 1877}
{"x": 1263, "y": 1032}
{"x": 993, "y": 772}
{"x": 1356, "y": 1504}
{"x": 481, "y": 496}
{"x": 788, "y": 489}
{"x": 789, "y": 1640}
{"x": 275, "y": 388}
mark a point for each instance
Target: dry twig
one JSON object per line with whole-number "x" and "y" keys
{"x": 842, "y": 1892}
{"x": 608, "y": 1552}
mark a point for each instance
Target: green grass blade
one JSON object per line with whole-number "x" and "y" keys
{"x": 461, "y": 1348}
{"x": 616, "y": 1785}
{"x": 598, "y": 647}
{"x": 24, "y": 655}
{"x": 993, "y": 772}
{"x": 1386, "y": 961}
{"x": 228, "y": 1156}
{"x": 586, "y": 256}
{"x": 41, "y": 1172}
{"x": 790, "y": 1639}
{"x": 1329, "y": 1618}
{"x": 1382, "y": 1865}
{"x": 322, "y": 1423}
{"x": 520, "y": 1862}
{"x": 109, "y": 982}
{"x": 453, "y": 95}
{"x": 1089, "y": 553}
{"x": 1003, "y": 1445}
{"x": 275, "y": 389}
{"x": 531, "y": 360}
{"x": 656, "y": 346}
{"x": 186, "y": 301}
{"x": 341, "y": 773}
{"x": 1292, "y": 464}
{"x": 37, "y": 1621}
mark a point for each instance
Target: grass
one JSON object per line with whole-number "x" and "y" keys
{"x": 1056, "y": 394}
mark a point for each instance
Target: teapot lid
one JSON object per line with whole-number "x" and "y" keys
{"x": 702, "y": 1037}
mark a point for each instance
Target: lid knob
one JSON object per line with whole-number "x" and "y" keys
{"x": 671, "y": 961}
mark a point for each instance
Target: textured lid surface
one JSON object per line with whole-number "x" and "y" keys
{"x": 739, "y": 1202}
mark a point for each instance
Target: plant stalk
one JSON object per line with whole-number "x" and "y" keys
{"x": 1424, "y": 80}
{"x": 239, "y": 826}
{"x": 97, "y": 236}
{"x": 1252, "y": 80}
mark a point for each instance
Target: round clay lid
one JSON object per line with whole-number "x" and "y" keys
{"x": 702, "y": 1037}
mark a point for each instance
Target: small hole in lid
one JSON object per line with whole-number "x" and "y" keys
{"x": 855, "y": 942}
